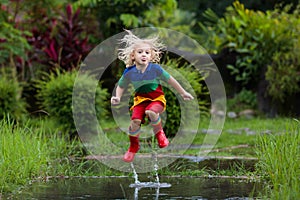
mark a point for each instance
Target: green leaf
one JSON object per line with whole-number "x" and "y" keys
{"x": 129, "y": 20}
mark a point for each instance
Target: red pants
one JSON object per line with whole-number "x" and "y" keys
{"x": 139, "y": 110}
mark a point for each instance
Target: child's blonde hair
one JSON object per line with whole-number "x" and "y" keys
{"x": 131, "y": 40}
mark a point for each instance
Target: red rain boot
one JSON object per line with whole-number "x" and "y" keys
{"x": 133, "y": 148}
{"x": 161, "y": 139}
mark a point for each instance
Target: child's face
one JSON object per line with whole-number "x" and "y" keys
{"x": 142, "y": 54}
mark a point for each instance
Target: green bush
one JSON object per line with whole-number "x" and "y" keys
{"x": 245, "y": 99}
{"x": 56, "y": 95}
{"x": 11, "y": 102}
{"x": 193, "y": 82}
{"x": 264, "y": 41}
{"x": 283, "y": 74}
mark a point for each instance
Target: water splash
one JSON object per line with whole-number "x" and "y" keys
{"x": 150, "y": 185}
{"x": 136, "y": 193}
{"x": 135, "y": 175}
{"x": 156, "y": 167}
{"x": 138, "y": 185}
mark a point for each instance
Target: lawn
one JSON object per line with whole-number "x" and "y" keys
{"x": 239, "y": 136}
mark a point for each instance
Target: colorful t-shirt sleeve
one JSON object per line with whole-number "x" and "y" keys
{"x": 164, "y": 75}
{"x": 123, "y": 82}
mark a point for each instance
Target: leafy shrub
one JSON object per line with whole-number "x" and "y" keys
{"x": 11, "y": 102}
{"x": 13, "y": 44}
{"x": 252, "y": 34}
{"x": 195, "y": 86}
{"x": 283, "y": 73}
{"x": 115, "y": 15}
{"x": 56, "y": 94}
{"x": 245, "y": 99}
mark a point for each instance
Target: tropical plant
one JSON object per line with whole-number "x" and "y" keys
{"x": 17, "y": 19}
{"x": 64, "y": 43}
{"x": 259, "y": 46}
{"x": 69, "y": 46}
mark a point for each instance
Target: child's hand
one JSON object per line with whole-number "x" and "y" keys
{"x": 115, "y": 100}
{"x": 187, "y": 96}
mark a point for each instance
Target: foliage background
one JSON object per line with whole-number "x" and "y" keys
{"x": 40, "y": 37}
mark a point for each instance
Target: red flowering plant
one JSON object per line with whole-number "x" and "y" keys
{"x": 62, "y": 44}
{"x": 68, "y": 48}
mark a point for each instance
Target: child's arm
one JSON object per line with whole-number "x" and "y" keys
{"x": 116, "y": 99}
{"x": 185, "y": 95}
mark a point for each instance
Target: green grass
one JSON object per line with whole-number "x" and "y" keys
{"x": 22, "y": 155}
{"x": 241, "y": 131}
{"x": 37, "y": 150}
{"x": 28, "y": 152}
{"x": 279, "y": 162}
{"x": 236, "y": 132}
{"x": 258, "y": 124}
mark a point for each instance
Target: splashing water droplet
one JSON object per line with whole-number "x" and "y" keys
{"x": 156, "y": 167}
{"x": 138, "y": 185}
{"x": 135, "y": 175}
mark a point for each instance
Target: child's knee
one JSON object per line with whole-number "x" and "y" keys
{"x": 135, "y": 124}
{"x": 152, "y": 115}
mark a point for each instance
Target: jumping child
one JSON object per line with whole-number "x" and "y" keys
{"x": 142, "y": 71}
